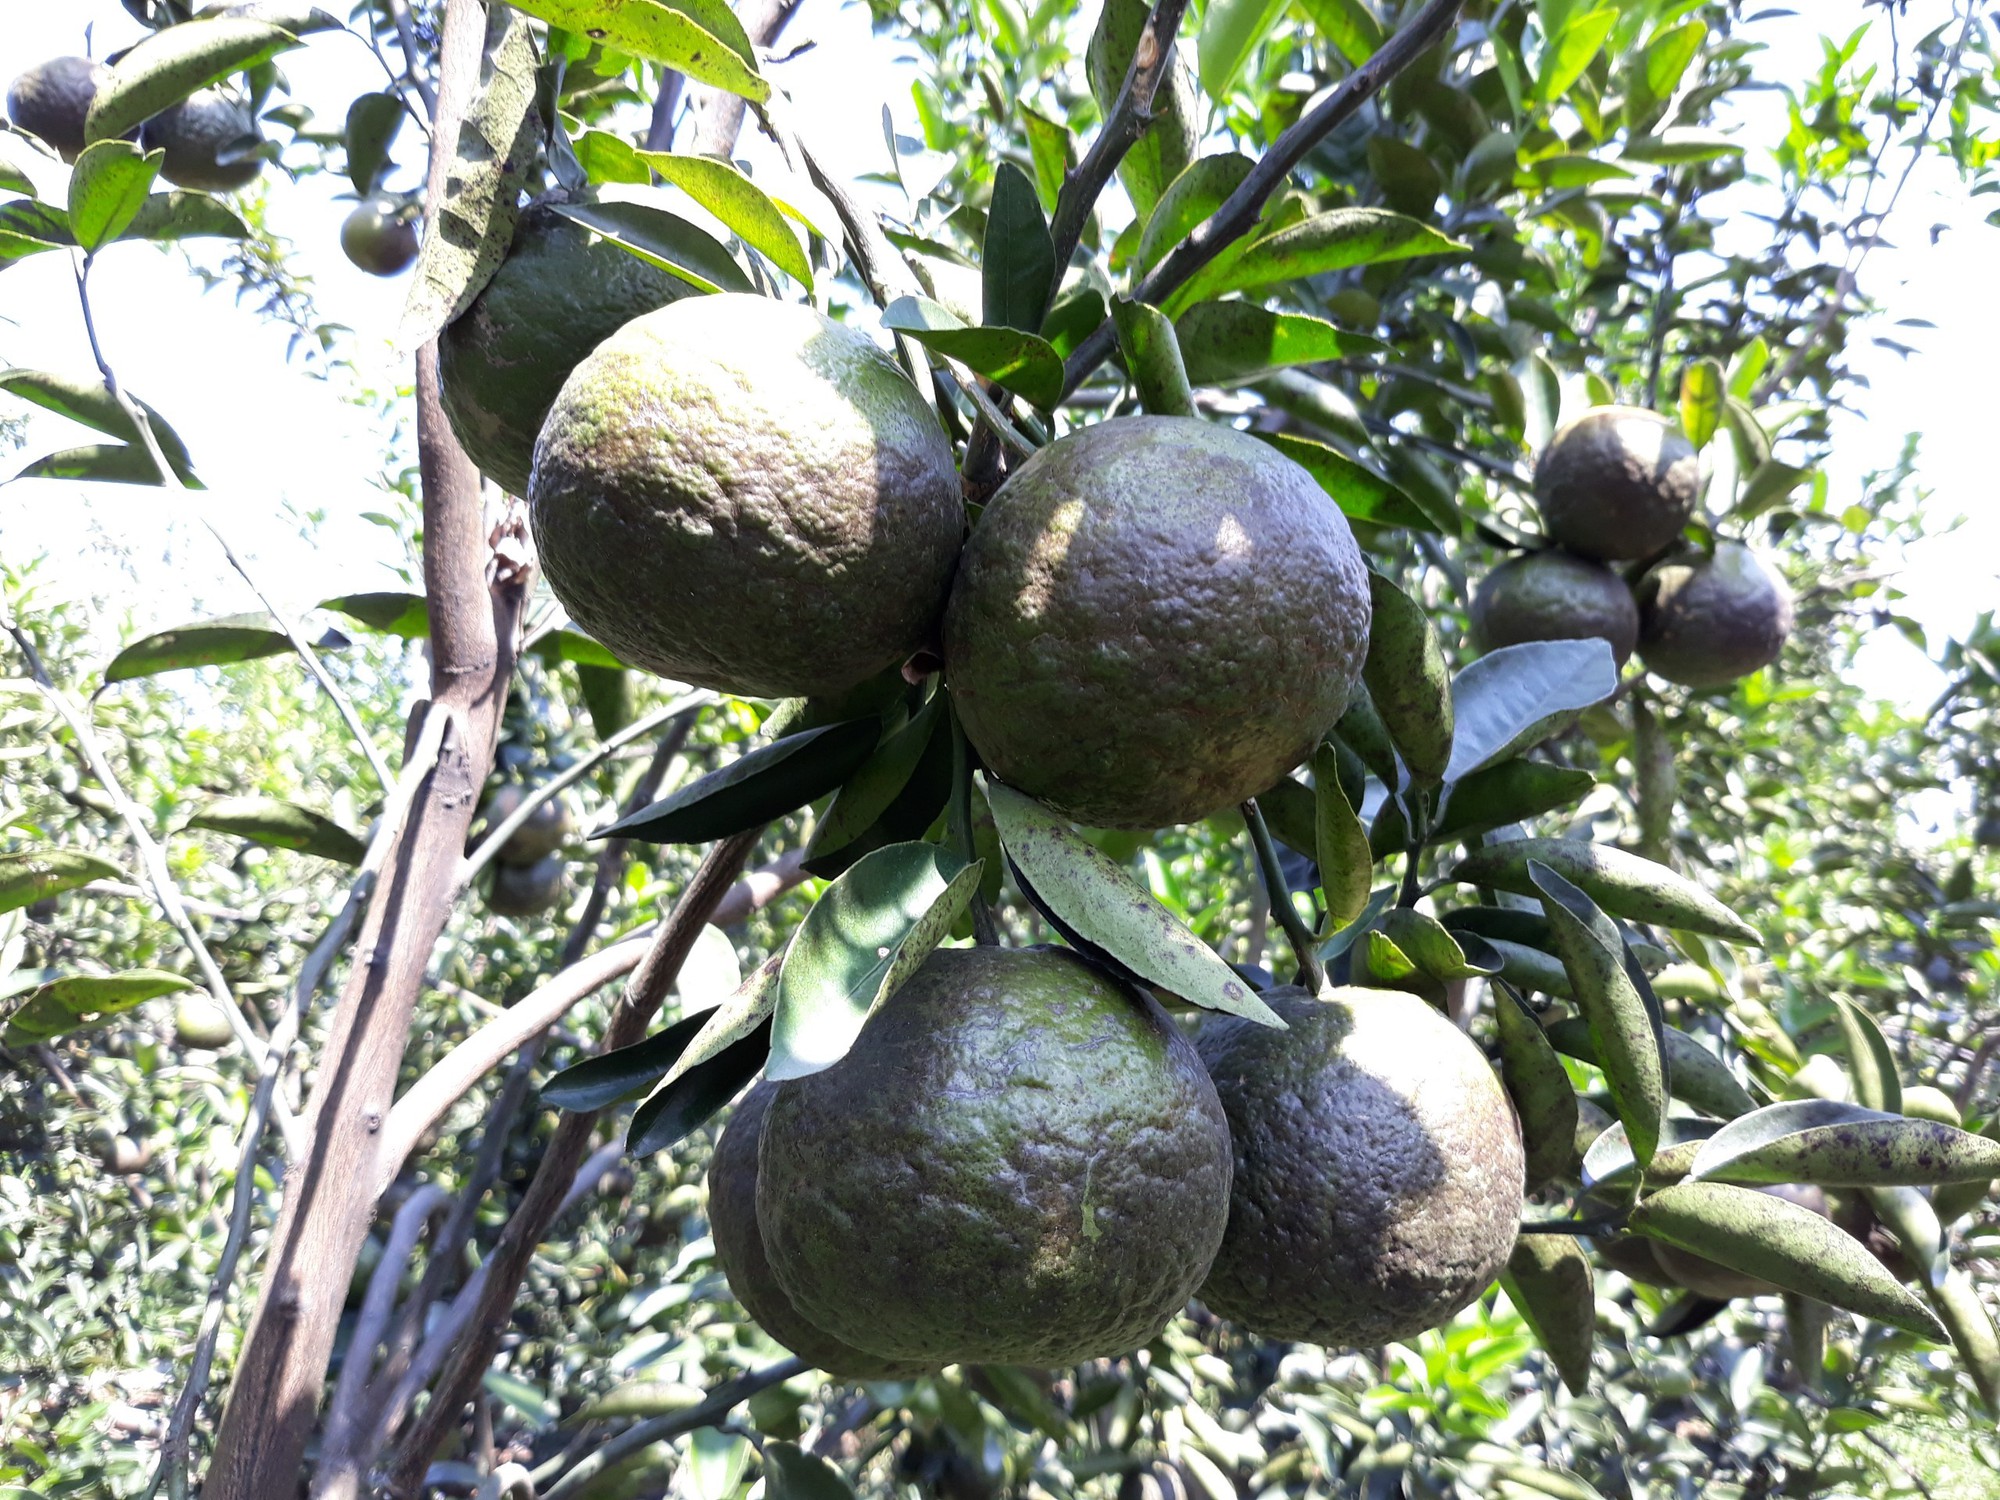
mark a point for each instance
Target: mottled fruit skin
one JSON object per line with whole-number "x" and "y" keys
{"x": 1551, "y": 596}
{"x": 51, "y": 100}
{"x": 1706, "y": 621}
{"x": 739, "y": 1250}
{"x": 1155, "y": 618}
{"x": 1021, "y": 1161}
{"x": 525, "y": 890}
{"x": 548, "y": 827}
{"x": 559, "y": 294}
{"x": 377, "y": 240}
{"x": 1379, "y": 1169}
{"x": 743, "y": 494}
{"x": 204, "y": 137}
{"x": 1617, "y": 483}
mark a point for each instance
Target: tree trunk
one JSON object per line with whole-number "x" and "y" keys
{"x": 328, "y": 1199}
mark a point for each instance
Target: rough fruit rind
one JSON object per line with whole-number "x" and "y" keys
{"x": 560, "y": 292}
{"x": 52, "y": 99}
{"x": 1020, "y": 1162}
{"x": 378, "y": 240}
{"x": 1616, "y": 483}
{"x": 739, "y": 1250}
{"x": 1156, "y": 617}
{"x": 1551, "y": 596}
{"x": 1706, "y": 621}
{"x": 194, "y": 134}
{"x": 743, "y": 494}
{"x": 1378, "y": 1173}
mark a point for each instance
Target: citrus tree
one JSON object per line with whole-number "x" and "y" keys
{"x": 1225, "y": 684}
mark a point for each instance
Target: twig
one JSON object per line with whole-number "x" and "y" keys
{"x": 199, "y": 908}
{"x": 640, "y": 1435}
{"x": 961, "y": 824}
{"x": 720, "y": 114}
{"x": 1311, "y": 971}
{"x": 372, "y": 1322}
{"x": 532, "y": 803}
{"x": 406, "y": 37}
{"x": 1241, "y": 210}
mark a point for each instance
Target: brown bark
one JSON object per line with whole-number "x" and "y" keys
{"x": 328, "y": 1194}
{"x": 719, "y": 114}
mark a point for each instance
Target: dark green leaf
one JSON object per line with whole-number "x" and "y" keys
{"x": 1153, "y": 356}
{"x": 1509, "y": 792}
{"x": 740, "y": 1017}
{"x": 372, "y": 123}
{"x": 1361, "y": 729}
{"x": 1525, "y": 966}
{"x": 1346, "y": 867}
{"x": 88, "y": 400}
{"x": 873, "y": 789}
{"x": 607, "y": 694}
{"x": 185, "y": 216}
{"x": 107, "y": 189}
{"x": 1361, "y": 493}
{"x": 1623, "y": 884}
{"x": 1017, "y": 265}
{"x": 406, "y": 615}
{"x": 83, "y": 1001}
{"x": 790, "y": 1473}
{"x": 1410, "y": 180}
{"x": 700, "y": 38}
{"x": 1408, "y": 680}
{"x": 171, "y": 64}
{"x": 1191, "y": 198}
{"x": 724, "y": 191}
{"x": 28, "y": 228}
{"x": 684, "y": 1101}
{"x": 610, "y": 1077}
{"x": 208, "y": 643}
{"x": 1695, "y": 1075}
{"x": 767, "y": 783}
{"x": 280, "y": 825}
{"x": 1539, "y": 1087}
{"x": 1163, "y": 151}
{"x": 1229, "y": 343}
{"x": 1333, "y": 241}
{"x": 1514, "y": 698}
{"x": 1548, "y": 1279}
{"x": 1836, "y": 1144}
{"x": 1291, "y": 813}
{"x": 1021, "y": 362}
{"x": 664, "y": 240}
{"x": 865, "y": 936}
{"x": 36, "y": 874}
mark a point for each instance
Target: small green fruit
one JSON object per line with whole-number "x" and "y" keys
{"x": 1707, "y": 621}
{"x": 1551, "y": 596}
{"x": 378, "y": 239}
{"x": 211, "y": 142}
{"x": 1616, "y": 483}
{"x": 548, "y": 827}
{"x": 525, "y": 890}
{"x": 199, "y": 1022}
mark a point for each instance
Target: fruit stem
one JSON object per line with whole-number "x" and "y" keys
{"x": 1311, "y": 973}
{"x": 961, "y": 825}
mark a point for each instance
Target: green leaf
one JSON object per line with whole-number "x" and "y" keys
{"x": 1623, "y": 884}
{"x": 790, "y": 1473}
{"x": 1680, "y": 145}
{"x": 1410, "y": 180}
{"x": 1229, "y": 343}
{"x": 1695, "y": 1075}
{"x": 1340, "y": 845}
{"x": 208, "y": 643}
{"x": 736, "y": 1021}
{"x": 1780, "y": 1242}
{"x": 841, "y": 834}
{"x": 1333, "y": 241}
{"x": 1539, "y": 1087}
{"x": 1153, "y": 356}
{"x": 607, "y": 694}
{"x": 1623, "y": 1029}
{"x": 664, "y": 240}
{"x": 1230, "y": 31}
{"x": 684, "y": 1101}
{"x": 865, "y": 936}
{"x": 1291, "y": 814}
{"x": 1869, "y": 1061}
{"x": 1571, "y": 51}
{"x": 1548, "y": 1280}
{"x": 1104, "y": 912}
{"x": 605, "y": 157}
{"x": 1701, "y": 400}
{"x": 1836, "y": 1144}
{"x": 88, "y": 400}
{"x": 1021, "y": 362}
{"x": 391, "y": 612}
{"x": 738, "y": 202}
{"x": 35, "y": 874}
{"x": 1163, "y": 151}
{"x": 83, "y": 1001}
{"x": 1386, "y": 961}
{"x": 172, "y": 63}
{"x": 1053, "y": 151}
{"x": 469, "y": 234}
{"x": 610, "y": 1077}
{"x": 1770, "y": 484}
{"x": 1190, "y": 199}
{"x": 1525, "y": 966}
{"x": 716, "y": 1462}
{"x": 1512, "y": 699}
{"x": 1361, "y": 729}
{"x": 1017, "y": 263}
{"x": 1361, "y": 493}
{"x": 1434, "y": 951}
{"x": 1609, "y": 1161}
{"x": 1959, "y": 1306}
{"x": 185, "y": 216}
{"x": 1408, "y": 680}
{"x": 280, "y": 825}
{"x": 102, "y": 463}
{"x": 767, "y": 783}
{"x": 1349, "y": 24}
{"x": 28, "y": 228}
{"x": 1510, "y": 792}
{"x": 372, "y": 123}
{"x": 523, "y": 1397}
{"x": 699, "y": 38}
{"x": 1666, "y": 58}
{"x": 107, "y": 189}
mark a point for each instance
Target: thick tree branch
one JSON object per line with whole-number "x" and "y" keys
{"x": 1241, "y": 210}
{"x": 538, "y": 1208}
{"x": 719, "y": 112}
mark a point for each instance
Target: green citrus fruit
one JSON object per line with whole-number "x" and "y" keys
{"x": 1021, "y": 1161}
{"x": 210, "y": 139}
{"x": 1617, "y": 482}
{"x": 1551, "y": 596}
{"x": 739, "y": 1250}
{"x": 560, "y": 292}
{"x": 1156, "y": 617}
{"x": 1378, "y": 1169}
{"x": 1707, "y": 620}
{"x": 199, "y": 1022}
{"x": 743, "y": 494}
{"x": 548, "y": 827}
{"x": 525, "y": 890}
{"x": 51, "y": 100}
{"x": 378, "y": 239}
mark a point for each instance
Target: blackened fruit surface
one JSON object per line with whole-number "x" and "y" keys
{"x": 1616, "y": 483}
{"x": 548, "y": 827}
{"x": 1378, "y": 1169}
{"x": 560, "y": 293}
{"x": 1155, "y": 617}
{"x": 525, "y": 890}
{"x": 377, "y": 241}
{"x": 196, "y": 134}
{"x": 739, "y": 1250}
{"x": 51, "y": 100}
{"x": 1706, "y": 621}
{"x": 1020, "y": 1162}
{"x": 1551, "y": 596}
{"x": 743, "y": 494}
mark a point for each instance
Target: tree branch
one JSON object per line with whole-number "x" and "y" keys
{"x": 719, "y": 112}
{"x": 1241, "y": 210}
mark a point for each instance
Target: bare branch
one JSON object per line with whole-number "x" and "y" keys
{"x": 720, "y": 112}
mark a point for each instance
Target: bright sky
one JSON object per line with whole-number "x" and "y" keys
{"x": 273, "y": 443}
